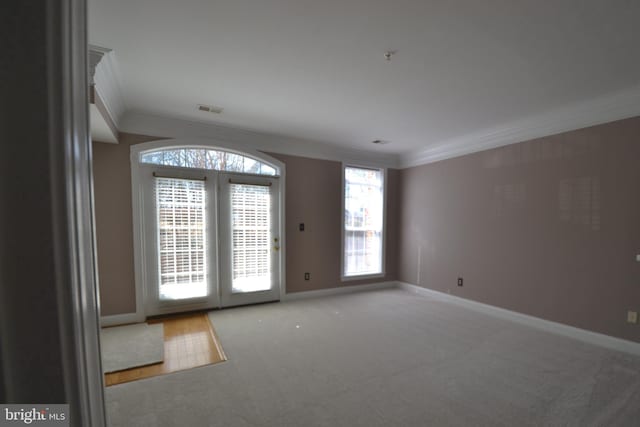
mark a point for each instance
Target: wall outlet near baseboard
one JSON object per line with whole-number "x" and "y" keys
{"x": 460, "y": 281}
{"x": 632, "y": 317}
{"x": 307, "y": 276}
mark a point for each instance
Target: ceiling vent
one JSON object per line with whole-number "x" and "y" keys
{"x": 210, "y": 109}
{"x": 380, "y": 141}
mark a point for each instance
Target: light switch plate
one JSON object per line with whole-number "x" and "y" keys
{"x": 638, "y": 257}
{"x": 632, "y": 316}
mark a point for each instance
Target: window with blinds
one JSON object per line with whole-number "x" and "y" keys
{"x": 182, "y": 242}
{"x": 363, "y": 221}
{"x": 251, "y": 235}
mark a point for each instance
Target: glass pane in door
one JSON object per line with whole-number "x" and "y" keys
{"x": 182, "y": 240}
{"x": 250, "y": 237}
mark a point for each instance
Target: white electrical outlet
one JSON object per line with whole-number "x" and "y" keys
{"x": 632, "y": 316}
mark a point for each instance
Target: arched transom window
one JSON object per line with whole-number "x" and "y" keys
{"x": 205, "y": 158}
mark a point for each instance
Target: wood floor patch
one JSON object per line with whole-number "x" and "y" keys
{"x": 189, "y": 341}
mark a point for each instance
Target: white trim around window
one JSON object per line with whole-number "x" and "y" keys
{"x": 344, "y": 277}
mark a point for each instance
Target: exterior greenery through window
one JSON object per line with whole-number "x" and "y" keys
{"x": 204, "y": 158}
{"x": 363, "y": 221}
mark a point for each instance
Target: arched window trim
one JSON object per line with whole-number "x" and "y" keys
{"x": 138, "y": 150}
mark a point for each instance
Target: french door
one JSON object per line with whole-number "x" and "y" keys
{"x": 249, "y": 240}
{"x": 212, "y": 240}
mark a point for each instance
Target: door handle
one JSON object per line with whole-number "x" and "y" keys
{"x": 277, "y": 248}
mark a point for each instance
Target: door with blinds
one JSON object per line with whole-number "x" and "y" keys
{"x": 249, "y": 240}
{"x": 182, "y": 251}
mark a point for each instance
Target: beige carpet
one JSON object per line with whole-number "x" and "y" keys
{"x": 386, "y": 358}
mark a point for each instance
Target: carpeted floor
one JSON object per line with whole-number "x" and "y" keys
{"x": 386, "y": 358}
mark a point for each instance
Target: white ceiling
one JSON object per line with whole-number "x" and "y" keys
{"x": 315, "y": 69}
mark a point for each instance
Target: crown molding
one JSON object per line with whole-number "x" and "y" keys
{"x": 105, "y": 77}
{"x": 151, "y": 124}
{"x": 609, "y": 108}
{"x": 95, "y": 56}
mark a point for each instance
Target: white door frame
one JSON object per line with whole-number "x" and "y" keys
{"x": 49, "y": 332}
{"x": 142, "y": 276}
{"x": 152, "y": 304}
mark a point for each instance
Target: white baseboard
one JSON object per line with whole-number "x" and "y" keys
{"x": 121, "y": 319}
{"x": 590, "y": 337}
{"x": 336, "y": 291}
{"x": 127, "y": 318}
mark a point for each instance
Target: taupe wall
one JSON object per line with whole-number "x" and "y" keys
{"x": 548, "y": 227}
{"x": 313, "y": 191}
{"x": 114, "y": 224}
{"x": 313, "y": 197}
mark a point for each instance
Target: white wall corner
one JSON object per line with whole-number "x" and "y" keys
{"x": 583, "y": 335}
{"x": 608, "y": 108}
{"x": 104, "y": 74}
{"x": 152, "y": 124}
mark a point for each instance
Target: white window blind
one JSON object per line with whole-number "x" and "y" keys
{"x": 251, "y": 235}
{"x": 363, "y": 221}
{"x": 182, "y": 241}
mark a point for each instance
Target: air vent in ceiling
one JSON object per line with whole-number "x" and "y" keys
{"x": 210, "y": 109}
